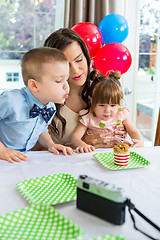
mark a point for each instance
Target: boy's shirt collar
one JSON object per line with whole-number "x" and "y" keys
{"x": 31, "y": 100}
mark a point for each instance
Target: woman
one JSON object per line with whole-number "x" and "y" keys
{"x": 66, "y": 119}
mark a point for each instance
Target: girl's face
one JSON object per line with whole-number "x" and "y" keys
{"x": 77, "y": 65}
{"x": 106, "y": 111}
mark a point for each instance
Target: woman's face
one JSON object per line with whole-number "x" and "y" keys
{"x": 77, "y": 65}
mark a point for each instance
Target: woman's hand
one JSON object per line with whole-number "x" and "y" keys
{"x": 102, "y": 141}
{"x": 99, "y": 140}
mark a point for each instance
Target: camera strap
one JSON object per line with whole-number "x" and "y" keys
{"x": 132, "y": 207}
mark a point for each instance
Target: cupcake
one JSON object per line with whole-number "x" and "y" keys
{"x": 121, "y": 154}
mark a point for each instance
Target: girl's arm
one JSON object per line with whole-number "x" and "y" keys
{"x": 133, "y": 133}
{"x": 76, "y": 139}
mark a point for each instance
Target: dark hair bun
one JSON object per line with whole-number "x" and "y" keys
{"x": 116, "y": 75}
{"x": 94, "y": 75}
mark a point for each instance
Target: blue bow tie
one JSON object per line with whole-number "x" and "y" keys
{"x": 46, "y": 113}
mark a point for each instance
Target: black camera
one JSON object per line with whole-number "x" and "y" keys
{"x": 101, "y": 199}
{"x": 107, "y": 201}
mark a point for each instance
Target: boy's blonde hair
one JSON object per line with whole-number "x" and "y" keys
{"x": 33, "y": 60}
{"x": 105, "y": 89}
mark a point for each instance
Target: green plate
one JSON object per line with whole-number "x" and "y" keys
{"x": 49, "y": 190}
{"x": 135, "y": 161}
{"x": 39, "y": 223}
{"x": 109, "y": 237}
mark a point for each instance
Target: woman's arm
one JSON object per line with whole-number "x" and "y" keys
{"x": 133, "y": 133}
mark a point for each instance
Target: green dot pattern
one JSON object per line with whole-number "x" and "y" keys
{"x": 102, "y": 125}
{"x": 118, "y": 122}
{"x": 109, "y": 237}
{"x": 135, "y": 161}
{"x": 49, "y": 190}
{"x": 38, "y": 222}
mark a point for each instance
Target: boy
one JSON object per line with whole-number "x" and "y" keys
{"x": 26, "y": 113}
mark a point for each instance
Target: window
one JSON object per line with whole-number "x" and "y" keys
{"x": 12, "y": 77}
{"x": 148, "y": 89}
{"x": 26, "y": 24}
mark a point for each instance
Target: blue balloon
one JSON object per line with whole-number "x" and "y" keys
{"x": 114, "y": 28}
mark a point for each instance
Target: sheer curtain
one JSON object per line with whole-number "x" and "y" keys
{"x": 90, "y": 10}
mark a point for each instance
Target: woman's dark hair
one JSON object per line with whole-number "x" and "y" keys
{"x": 105, "y": 89}
{"x": 61, "y": 39}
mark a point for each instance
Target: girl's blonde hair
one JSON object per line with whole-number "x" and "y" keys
{"x": 105, "y": 89}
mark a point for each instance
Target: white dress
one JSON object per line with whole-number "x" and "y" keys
{"x": 71, "y": 122}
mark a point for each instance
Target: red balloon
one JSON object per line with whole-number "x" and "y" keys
{"x": 91, "y": 35}
{"x": 113, "y": 56}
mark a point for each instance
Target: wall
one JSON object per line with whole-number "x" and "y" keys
{"x": 9, "y": 66}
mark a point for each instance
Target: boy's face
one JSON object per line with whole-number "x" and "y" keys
{"x": 53, "y": 86}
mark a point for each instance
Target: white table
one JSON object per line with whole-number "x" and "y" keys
{"x": 142, "y": 185}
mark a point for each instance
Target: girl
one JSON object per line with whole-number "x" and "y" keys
{"x": 105, "y": 114}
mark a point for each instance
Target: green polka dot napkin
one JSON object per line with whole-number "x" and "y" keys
{"x": 49, "y": 190}
{"x": 39, "y": 223}
{"x": 135, "y": 161}
{"x": 109, "y": 237}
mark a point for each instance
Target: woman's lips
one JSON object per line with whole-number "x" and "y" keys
{"x": 78, "y": 77}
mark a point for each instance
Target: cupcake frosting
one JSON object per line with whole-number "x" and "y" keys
{"x": 121, "y": 148}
